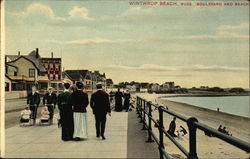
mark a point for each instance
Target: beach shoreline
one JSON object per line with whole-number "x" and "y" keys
{"x": 204, "y": 109}
{"x": 204, "y": 95}
{"x": 208, "y": 147}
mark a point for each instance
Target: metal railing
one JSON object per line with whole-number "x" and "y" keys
{"x": 144, "y": 109}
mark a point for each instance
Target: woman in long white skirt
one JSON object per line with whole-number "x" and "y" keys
{"x": 80, "y": 125}
{"x": 79, "y": 102}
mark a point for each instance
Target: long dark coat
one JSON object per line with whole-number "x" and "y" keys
{"x": 100, "y": 103}
{"x": 66, "y": 115}
{"x": 118, "y": 101}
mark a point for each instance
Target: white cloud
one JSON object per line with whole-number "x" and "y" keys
{"x": 77, "y": 12}
{"x": 219, "y": 36}
{"x": 90, "y": 41}
{"x": 96, "y": 40}
{"x": 38, "y": 8}
{"x": 223, "y": 36}
{"x": 216, "y": 68}
{"x": 234, "y": 27}
{"x": 199, "y": 68}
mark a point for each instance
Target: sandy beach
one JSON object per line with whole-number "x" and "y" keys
{"x": 207, "y": 147}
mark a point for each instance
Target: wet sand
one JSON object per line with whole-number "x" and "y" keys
{"x": 207, "y": 147}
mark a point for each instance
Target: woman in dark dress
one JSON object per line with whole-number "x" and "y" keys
{"x": 118, "y": 100}
{"x": 66, "y": 113}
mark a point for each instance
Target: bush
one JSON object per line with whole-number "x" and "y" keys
{"x": 216, "y": 89}
{"x": 237, "y": 90}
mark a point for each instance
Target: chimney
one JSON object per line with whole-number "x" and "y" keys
{"x": 19, "y": 53}
{"x": 37, "y": 53}
{"x": 52, "y": 55}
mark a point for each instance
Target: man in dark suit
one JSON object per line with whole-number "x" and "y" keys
{"x": 101, "y": 106}
{"x": 50, "y": 100}
{"x": 33, "y": 101}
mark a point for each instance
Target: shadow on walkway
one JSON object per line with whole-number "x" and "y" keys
{"x": 137, "y": 147}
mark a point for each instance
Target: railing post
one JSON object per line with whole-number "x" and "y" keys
{"x": 137, "y": 106}
{"x": 149, "y": 122}
{"x": 161, "y": 141}
{"x": 140, "y": 110}
{"x": 192, "y": 138}
{"x": 144, "y": 116}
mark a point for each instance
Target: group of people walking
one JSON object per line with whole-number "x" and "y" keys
{"x": 119, "y": 98}
{"x": 73, "y": 110}
{"x": 49, "y": 100}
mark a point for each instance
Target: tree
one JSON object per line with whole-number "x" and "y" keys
{"x": 216, "y": 89}
{"x": 237, "y": 90}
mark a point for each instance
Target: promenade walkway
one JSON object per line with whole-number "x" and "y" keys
{"x": 124, "y": 140}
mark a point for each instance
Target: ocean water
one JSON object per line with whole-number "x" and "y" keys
{"x": 237, "y": 105}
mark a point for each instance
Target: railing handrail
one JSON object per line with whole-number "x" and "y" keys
{"x": 192, "y": 123}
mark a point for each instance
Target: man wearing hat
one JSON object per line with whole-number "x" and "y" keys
{"x": 49, "y": 100}
{"x": 80, "y": 101}
{"x": 33, "y": 101}
{"x": 101, "y": 106}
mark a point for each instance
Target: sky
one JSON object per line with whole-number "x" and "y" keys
{"x": 191, "y": 45}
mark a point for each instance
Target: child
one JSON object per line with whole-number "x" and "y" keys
{"x": 182, "y": 131}
{"x": 45, "y": 113}
{"x": 25, "y": 115}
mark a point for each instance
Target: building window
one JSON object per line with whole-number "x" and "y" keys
{"x": 51, "y": 76}
{"x": 56, "y": 67}
{"x": 46, "y": 66}
{"x": 56, "y": 77}
{"x": 32, "y": 72}
{"x": 15, "y": 73}
{"x": 51, "y": 66}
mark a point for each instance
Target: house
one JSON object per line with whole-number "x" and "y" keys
{"x": 98, "y": 77}
{"x": 109, "y": 83}
{"x": 144, "y": 85}
{"x": 168, "y": 85}
{"x": 204, "y": 87}
{"x": 155, "y": 87}
{"x": 131, "y": 88}
{"x": 23, "y": 71}
{"x": 94, "y": 79}
{"x": 176, "y": 88}
{"x": 83, "y": 76}
{"x": 53, "y": 67}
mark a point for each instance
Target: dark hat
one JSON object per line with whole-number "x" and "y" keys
{"x": 99, "y": 85}
{"x": 66, "y": 85}
{"x": 79, "y": 85}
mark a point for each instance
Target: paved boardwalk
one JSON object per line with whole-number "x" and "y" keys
{"x": 45, "y": 141}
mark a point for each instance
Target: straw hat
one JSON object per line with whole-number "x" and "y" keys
{"x": 50, "y": 88}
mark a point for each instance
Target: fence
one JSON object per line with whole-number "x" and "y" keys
{"x": 144, "y": 109}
